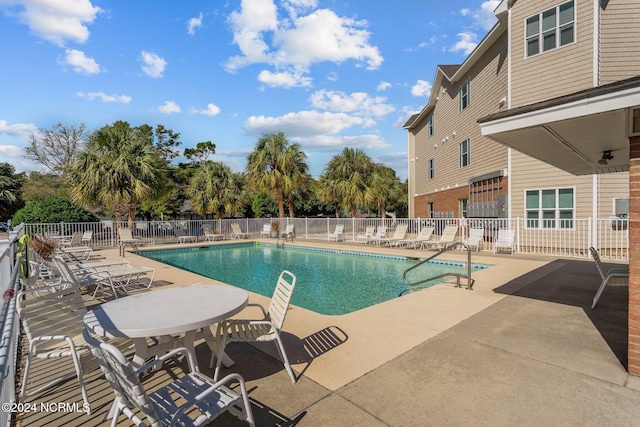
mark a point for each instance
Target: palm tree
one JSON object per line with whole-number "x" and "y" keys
{"x": 119, "y": 168}
{"x": 215, "y": 189}
{"x": 329, "y": 193}
{"x": 297, "y": 178}
{"x": 276, "y": 166}
{"x": 10, "y": 190}
{"x": 349, "y": 173}
{"x": 384, "y": 187}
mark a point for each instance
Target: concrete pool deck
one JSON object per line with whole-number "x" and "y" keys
{"x": 521, "y": 348}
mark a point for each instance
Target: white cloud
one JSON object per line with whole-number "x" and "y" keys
{"x": 284, "y": 79}
{"x": 336, "y": 142}
{"x": 382, "y": 86}
{"x": 298, "y": 41}
{"x": 305, "y": 123}
{"x": 359, "y": 103}
{"x": 21, "y": 130}
{"x": 153, "y": 65}
{"x": 421, "y": 88}
{"x": 468, "y": 41}
{"x": 123, "y": 99}
{"x": 193, "y": 24}
{"x": 169, "y": 107}
{"x": 465, "y": 11}
{"x": 11, "y": 151}
{"x": 212, "y": 110}
{"x": 485, "y": 17}
{"x": 80, "y": 63}
{"x": 56, "y": 21}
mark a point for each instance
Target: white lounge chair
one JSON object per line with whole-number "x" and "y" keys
{"x": 53, "y": 324}
{"x": 476, "y": 237}
{"x": 126, "y": 239}
{"x": 337, "y": 234}
{"x": 366, "y": 236}
{"x": 237, "y": 233}
{"x": 448, "y": 237}
{"x": 381, "y": 233}
{"x": 398, "y": 234}
{"x": 612, "y": 277}
{"x": 210, "y": 234}
{"x": 505, "y": 240}
{"x": 266, "y": 230}
{"x": 423, "y": 236}
{"x": 289, "y": 232}
{"x": 191, "y": 399}
{"x": 75, "y": 240}
{"x": 86, "y": 237}
{"x": 183, "y": 236}
{"x": 266, "y": 329}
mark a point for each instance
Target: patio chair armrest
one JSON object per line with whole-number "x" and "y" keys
{"x": 618, "y": 270}
{"x": 167, "y": 356}
{"x": 214, "y": 386}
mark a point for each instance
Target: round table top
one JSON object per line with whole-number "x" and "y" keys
{"x": 166, "y": 311}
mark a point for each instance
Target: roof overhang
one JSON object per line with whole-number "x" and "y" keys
{"x": 572, "y": 132}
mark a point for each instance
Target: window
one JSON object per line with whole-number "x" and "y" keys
{"x": 464, "y": 95}
{"x": 430, "y": 128}
{"x": 432, "y": 172}
{"x": 552, "y": 208}
{"x": 550, "y": 29}
{"x": 431, "y": 208}
{"x": 465, "y": 153}
{"x": 463, "y": 208}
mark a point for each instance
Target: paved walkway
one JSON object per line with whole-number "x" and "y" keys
{"x": 523, "y": 348}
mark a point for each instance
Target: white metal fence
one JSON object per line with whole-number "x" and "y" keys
{"x": 609, "y": 236}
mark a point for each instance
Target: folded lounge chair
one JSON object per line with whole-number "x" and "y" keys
{"x": 611, "y": 277}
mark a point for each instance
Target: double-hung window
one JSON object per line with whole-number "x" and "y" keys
{"x": 464, "y": 95}
{"x": 550, "y": 29}
{"x": 432, "y": 170}
{"x": 465, "y": 153}
{"x": 550, "y": 208}
{"x": 430, "y": 126}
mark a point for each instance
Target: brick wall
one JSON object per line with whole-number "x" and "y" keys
{"x": 443, "y": 201}
{"x": 634, "y": 256}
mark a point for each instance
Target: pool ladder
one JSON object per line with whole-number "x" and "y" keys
{"x": 457, "y": 275}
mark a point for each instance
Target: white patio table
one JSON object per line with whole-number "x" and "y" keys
{"x": 164, "y": 313}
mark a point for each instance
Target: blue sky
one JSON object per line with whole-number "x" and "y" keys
{"x": 330, "y": 74}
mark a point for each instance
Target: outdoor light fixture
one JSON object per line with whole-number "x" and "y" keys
{"x": 606, "y": 155}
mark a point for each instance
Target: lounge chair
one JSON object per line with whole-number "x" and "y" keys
{"x": 612, "y": 277}
{"x": 183, "y": 237}
{"x": 505, "y": 240}
{"x": 423, "y": 236}
{"x": 75, "y": 240}
{"x": 366, "y": 236}
{"x": 126, "y": 239}
{"x": 448, "y": 237}
{"x": 266, "y": 230}
{"x": 191, "y": 398}
{"x": 381, "y": 233}
{"x": 289, "y": 232}
{"x": 476, "y": 237}
{"x": 398, "y": 234}
{"x": 86, "y": 237}
{"x": 210, "y": 234}
{"x": 337, "y": 234}
{"x": 237, "y": 233}
{"x": 266, "y": 329}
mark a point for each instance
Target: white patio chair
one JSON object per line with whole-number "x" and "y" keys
{"x": 612, "y": 277}
{"x": 366, "y": 236}
{"x": 289, "y": 232}
{"x": 337, "y": 234}
{"x": 53, "y": 324}
{"x": 476, "y": 237}
{"x": 266, "y": 329}
{"x": 75, "y": 240}
{"x": 191, "y": 399}
{"x": 126, "y": 239}
{"x": 266, "y": 230}
{"x": 505, "y": 240}
{"x": 398, "y": 234}
{"x": 423, "y": 236}
{"x": 448, "y": 237}
{"x": 381, "y": 233}
{"x": 86, "y": 237}
{"x": 237, "y": 233}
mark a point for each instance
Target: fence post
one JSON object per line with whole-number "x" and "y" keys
{"x": 591, "y": 234}
{"x": 517, "y": 234}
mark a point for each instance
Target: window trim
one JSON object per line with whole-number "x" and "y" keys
{"x": 557, "y": 30}
{"x": 431, "y": 168}
{"x": 431, "y": 129}
{"x": 557, "y": 220}
{"x": 468, "y": 153}
{"x": 466, "y": 84}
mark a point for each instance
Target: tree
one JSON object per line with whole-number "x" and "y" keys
{"x": 201, "y": 153}
{"x": 385, "y": 188}
{"x": 41, "y": 185}
{"x": 268, "y": 165}
{"x": 53, "y": 210}
{"x": 215, "y": 189}
{"x": 56, "y": 148}
{"x": 297, "y": 178}
{"x": 347, "y": 179}
{"x": 10, "y": 191}
{"x": 120, "y": 167}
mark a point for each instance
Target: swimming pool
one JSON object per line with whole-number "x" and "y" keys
{"x": 329, "y": 281}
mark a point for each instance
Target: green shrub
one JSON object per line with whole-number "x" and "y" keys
{"x": 52, "y": 209}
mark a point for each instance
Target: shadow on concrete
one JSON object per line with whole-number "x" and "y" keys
{"x": 575, "y": 282}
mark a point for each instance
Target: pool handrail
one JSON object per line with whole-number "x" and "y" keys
{"x": 457, "y": 275}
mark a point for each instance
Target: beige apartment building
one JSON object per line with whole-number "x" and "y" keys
{"x": 538, "y": 51}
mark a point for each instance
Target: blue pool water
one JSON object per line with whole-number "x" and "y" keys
{"x": 329, "y": 281}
